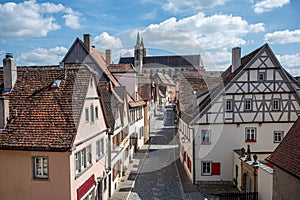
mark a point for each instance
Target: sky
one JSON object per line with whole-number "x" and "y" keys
{"x": 40, "y": 32}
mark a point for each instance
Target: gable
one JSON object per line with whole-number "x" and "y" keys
{"x": 261, "y": 81}
{"x": 77, "y": 53}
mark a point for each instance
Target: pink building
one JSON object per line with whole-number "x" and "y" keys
{"x": 53, "y": 134}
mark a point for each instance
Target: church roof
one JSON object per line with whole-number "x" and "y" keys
{"x": 170, "y": 61}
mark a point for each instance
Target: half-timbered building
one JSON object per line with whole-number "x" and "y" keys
{"x": 255, "y": 103}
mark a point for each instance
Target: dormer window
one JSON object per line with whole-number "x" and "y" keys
{"x": 55, "y": 84}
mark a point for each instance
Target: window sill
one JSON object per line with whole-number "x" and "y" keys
{"x": 206, "y": 143}
{"x": 41, "y": 179}
{"x": 250, "y": 141}
{"x": 78, "y": 174}
{"x": 277, "y": 141}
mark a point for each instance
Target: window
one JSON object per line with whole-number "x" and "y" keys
{"x": 248, "y": 104}
{"x": 250, "y": 134}
{"x": 206, "y": 168}
{"x": 89, "y": 155}
{"x": 100, "y": 148}
{"x": 261, "y": 76}
{"x": 278, "y": 136}
{"x": 92, "y": 114}
{"x": 77, "y": 162}
{"x": 40, "y": 165}
{"x": 205, "y": 135}
{"x": 83, "y": 159}
{"x": 96, "y": 112}
{"x": 91, "y": 84}
{"x": 87, "y": 118}
{"x": 276, "y": 104}
{"x": 228, "y": 105}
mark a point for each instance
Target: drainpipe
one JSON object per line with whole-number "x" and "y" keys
{"x": 194, "y": 170}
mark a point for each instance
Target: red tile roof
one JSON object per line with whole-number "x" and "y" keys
{"x": 287, "y": 155}
{"x": 121, "y": 68}
{"x": 41, "y": 117}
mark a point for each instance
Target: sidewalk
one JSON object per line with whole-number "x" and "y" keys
{"x": 127, "y": 182}
{"x": 191, "y": 191}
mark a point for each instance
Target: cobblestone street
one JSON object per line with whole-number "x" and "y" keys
{"x": 158, "y": 177}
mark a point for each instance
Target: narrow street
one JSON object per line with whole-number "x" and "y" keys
{"x": 158, "y": 177}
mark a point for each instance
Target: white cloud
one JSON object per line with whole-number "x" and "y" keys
{"x": 178, "y": 6}
{"x": 31, "y": 19}
{"x": 269, "y": 5}
{"x": 42, "y": 56}
{"x": 106, "y": 41}
{"x": 214, "y": 35}
{"x": 283, "y": 37}
{"x": 72, "y": 18}
{"x": 291, "y": 62}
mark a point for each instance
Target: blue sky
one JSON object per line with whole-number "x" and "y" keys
{"x": 40, "y": 32}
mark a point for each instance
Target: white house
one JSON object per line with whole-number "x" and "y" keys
{"x": 255, "y": 103}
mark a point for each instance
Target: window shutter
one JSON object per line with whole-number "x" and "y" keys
{"x": 216, "y": 168}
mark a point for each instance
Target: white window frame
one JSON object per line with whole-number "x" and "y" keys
{"x": 77, "y": 162}
{"x": 251, "y": 131}
{"x": 41, "y": 163}
{"x": 228, "y": 105}
{"x": 100, "y": 148}
{"x": 276, "y": 104}
{"x": 92, "y": 113}
{"x": 89, "y": 155}
{"x": 207, "y": 135}
{"x": 206, "y": 168}
{"x": 87, "y": 115}
{"x": 82, "y": 159}
{"x": 248, "y": 102}
{"x": 278, "y": 134}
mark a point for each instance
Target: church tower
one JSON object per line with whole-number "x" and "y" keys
{"x": 139, "y": 54}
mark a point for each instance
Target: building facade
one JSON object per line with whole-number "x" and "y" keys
{"x": 255, "y": 103}
{"x": 71, "y": 158}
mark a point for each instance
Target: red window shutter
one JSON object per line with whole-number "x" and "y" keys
{"x": 216, "y": 168}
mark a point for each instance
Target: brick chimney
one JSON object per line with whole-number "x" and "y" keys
{"x": 87, "y": 41}
{"x": 236, "y": 58}
{"x": 9, "y": 72}
{"x": 108, "y": 56}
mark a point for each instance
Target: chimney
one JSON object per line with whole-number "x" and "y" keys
{"x": 108, "y": 56}
{"x": 9, "y": 72}
{"x": 236, "y": 58}
{"x": 4, "y": 111}
{"x": 87, "y": 41}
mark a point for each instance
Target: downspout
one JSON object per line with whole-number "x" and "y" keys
{"x": 194, "y": 171}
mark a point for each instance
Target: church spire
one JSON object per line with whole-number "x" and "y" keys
{"x": 142, "y": 42}
{"x": 138, "y": 39}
